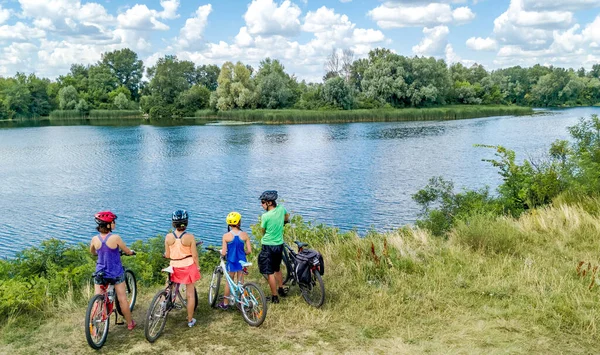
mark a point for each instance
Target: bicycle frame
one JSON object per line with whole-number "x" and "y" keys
{"x": 235, "y": 289}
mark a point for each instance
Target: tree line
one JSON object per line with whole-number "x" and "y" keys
{"x": 178, "y": 88}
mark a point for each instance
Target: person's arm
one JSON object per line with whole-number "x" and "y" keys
{"x": 223, "y": 245}
{"x": 248, "y": 244}
{"x": 286, "y": 219}
{"x": 167, "y": 251}
{"x": 93, "y": 248}
{"x": 194, "y": 251}
{"x": 123, "y": 247}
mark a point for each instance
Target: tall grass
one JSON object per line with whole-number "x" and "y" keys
{"x": 95, "y": 114}
{"x": 378, "y": 115}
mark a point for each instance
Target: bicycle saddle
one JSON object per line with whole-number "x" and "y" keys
{"x": 301, "y": 244}
{"x": 168, "y": 269}
{"x": 245, "y": 263}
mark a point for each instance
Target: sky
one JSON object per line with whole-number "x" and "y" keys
{"x": 46, "y": 36}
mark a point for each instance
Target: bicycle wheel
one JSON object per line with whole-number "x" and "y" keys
{"x": 156, "y": 317}
{"x": 130, "y": 290}
{"x": 96, "y": 322}
{"x": 314, "y": 292}
{"x": 253, "y": 304}
{"x": 213, "y": 289}
{"x": 182, "y": 295}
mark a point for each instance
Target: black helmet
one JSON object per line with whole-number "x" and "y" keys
{"x": 269, "y": 195}
{"x": 180, "y": 217}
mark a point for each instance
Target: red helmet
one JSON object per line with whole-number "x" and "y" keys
{"x": 105, "y": 217}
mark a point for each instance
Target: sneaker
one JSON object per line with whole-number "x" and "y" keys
{"x": 282, "y": 292}
{"x": 192, "y": 322}
{"x": 131, "y": 325}
{"x": 223, "y": 306}
{"x": 274, "y": 299}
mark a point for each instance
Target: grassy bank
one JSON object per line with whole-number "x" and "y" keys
{"x": 496, "y": 285}
{"x": 95, "y": 114}
{"x": 378, "y": 115}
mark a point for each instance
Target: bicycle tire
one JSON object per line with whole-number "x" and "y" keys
{"x": 90, "y": 321}
{"x": 183, "y": 298}
{"x": 256, "y": 311}
{"x": 316, "y": 285}
{"x": 156, "y": 316}
{"x": 213, "y": 288}
{"x": 130, "y": 290}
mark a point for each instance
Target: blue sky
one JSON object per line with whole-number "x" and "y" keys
{"x": 47, "y": 36}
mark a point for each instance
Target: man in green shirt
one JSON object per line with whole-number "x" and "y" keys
{"x": 269, "y": 259}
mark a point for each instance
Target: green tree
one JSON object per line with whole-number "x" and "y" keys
{"x": 275, "y": 88}
{"x": 68, "y": 98}
{"x": 121, "y": 102}
{"x": 236, "y": 87}
{"x": 192, "y": 100}
{"x": 169, "y": 78}
{"x": 207, "y": 76}
{"x": 338, "y": 93}
{"x": 126, "y": 67}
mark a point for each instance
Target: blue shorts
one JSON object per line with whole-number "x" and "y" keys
{"x": 112, "y": 281}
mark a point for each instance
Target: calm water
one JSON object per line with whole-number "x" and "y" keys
{"x": 349, "y": 175}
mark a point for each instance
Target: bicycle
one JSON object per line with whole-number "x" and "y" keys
{"x": 164, "y": 302}
{"x": 248, "y": 298}
{"x": 102, "y": 306}
{"x": 312, "y": 292}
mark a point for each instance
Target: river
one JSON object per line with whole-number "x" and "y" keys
{"x": 357, "y": 175}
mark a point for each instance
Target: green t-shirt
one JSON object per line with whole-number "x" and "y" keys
{"x": 272, "y": 222}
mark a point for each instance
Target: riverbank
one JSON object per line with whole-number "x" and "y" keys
{"x": 496, "y": 285}
{"x": 376, "y": 115}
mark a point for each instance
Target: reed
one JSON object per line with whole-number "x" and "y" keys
{"x": 379, "y": 115}
{"x": 95, "y": 114}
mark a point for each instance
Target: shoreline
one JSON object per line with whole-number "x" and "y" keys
{"x": 442, "y": 113}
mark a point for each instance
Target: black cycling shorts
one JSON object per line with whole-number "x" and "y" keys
{"x": 269, "y": 259}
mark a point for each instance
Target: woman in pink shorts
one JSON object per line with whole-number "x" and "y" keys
{"x": 180, "y": 247}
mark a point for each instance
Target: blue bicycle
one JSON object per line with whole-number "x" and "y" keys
{"x": 248, "y": 298}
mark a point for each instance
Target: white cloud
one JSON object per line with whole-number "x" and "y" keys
{"x": 243, "y": 38}
{"x": 169, "y": 9}
{"x": 191, "y": 33}
{"x": 4, "y": 15}
{"x": 482, "y": 44}
{"x": 264, "y": 17}
{"x": 396, "y": 15}
{"x": 140, "y": 17}
{"x": 433, "y": 43}
{"x": 463, "y": 15}
{"x": 20, "y": 32}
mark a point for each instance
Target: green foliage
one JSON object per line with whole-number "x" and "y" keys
{"x": 126, "y": 68}
{"x": 192, "y": 100}
{"x": 67, "y": 98}
{"x": 441, "y": 206}
{"x": 337, "y": 93}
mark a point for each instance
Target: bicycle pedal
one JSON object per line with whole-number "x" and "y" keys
{"x": 120, "y": 323}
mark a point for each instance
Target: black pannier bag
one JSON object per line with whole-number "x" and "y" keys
{"x": 305, "y": 261}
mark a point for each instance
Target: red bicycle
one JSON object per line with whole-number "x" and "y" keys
{"x": 102, "y": 306}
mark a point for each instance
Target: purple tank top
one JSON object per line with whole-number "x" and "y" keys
{"x": 109, "y": 260}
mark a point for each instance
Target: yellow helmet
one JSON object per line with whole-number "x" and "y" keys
{"x": 233, "y": 219}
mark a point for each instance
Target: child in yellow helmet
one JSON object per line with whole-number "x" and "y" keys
{"x": 236, "y": 245}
